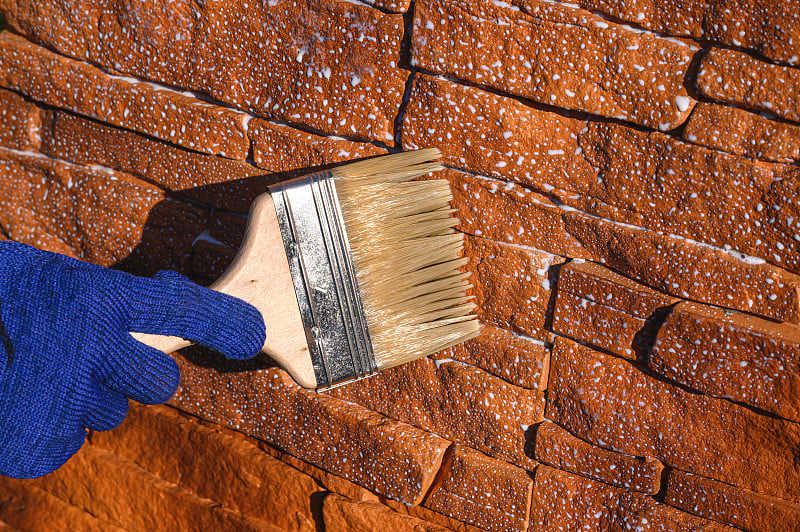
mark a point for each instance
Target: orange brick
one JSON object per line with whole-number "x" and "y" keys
{"x": 608, "y": 402}
{"x": 512, "y": 285}
{"x": 19, "y": 122}
{"x": 79, "y": 211}
{"x": 737, "y": 131}
{"x": 610, "y": 171}
{"x": 122, "y": 493}
{"x": 557, "y": 55}
{"x": 602, "y": 308}
{"x": 675, "y": 266}
{"x": 661, "y": 184}
{"x": 767, "y": 29}
{"x": 601, "y": 326}
{"x": 560, "y": 449}
{"x": 569, "y": 502}
{"x": 521, "y": 361}
{"x": 343, "y": 515}
{"x": 729, "y": 504}
{"x": 507, "y": 212}
{"x": 395, "y": 6}
{"x": 390, "y": 458}
{"x": 681, "y": 268}
{"x": 494, "y": 136}
{"x": 212, "y": 180}
{"x": 481, "y": 491}
{"x": 329, "y": 481}
{"x": 330, "y": 65}
{"x": 171, "y": 446}
{"x": 734, "y": 77}
{"x": 55, "y": 80}
{"x": 458, "y": 402}
{"x": 26, "y": 507}
{"x": 732, "y": 356}
{"x": 425, "y": 514}
{"x": 280, "y": 148}
{"x": 597, "y": 283}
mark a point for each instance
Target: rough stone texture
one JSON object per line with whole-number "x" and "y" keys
{"x": 210, "y": 260}
{"x": 671, "y": 265}
{"x": 541, "y": 185}
{"x": 562, "y": 501}
{"x": 162, "y": 113}
{"x": 492, "y": 135}
{"x": 421, "y": 512}
{"x": 343, "y": 515}
{"x": 731, "y": 355}
{"x": 609, "y": 402}
{"x": 329, "y": 481}
{"x": 736, "y": 78}
{"x": 646, "y": 179}
{"x": 684, "y": 269}
{"x": 123, "y": 494}
{"x": 328, "y": 64}
{"x": 557, "y": 55}
{"x": 19, "y": 122}
{"x": 560, "y": 449}
{"x": 484, "y": 492}
{"x": 233, "y": 472}
{"x": 101, "y": 216}
{"x": 507, "y": 212}
{"x": 458, "y": 402}
{"x": 599, "y": 325}
{"x": 597, "y": 283}
{"x": 728, "y": 504}
{"x": 770, "y": 28}
{"x": 325, "y": 479}
{"x": 26, "y": 507}
{"x": 395, "y": 6}
{"x": 738, "y": 131}
{"x": 390, "y": 458}
{"x": 656, "y": 182}
{"x": 521, "y": 361}
{"x": 604, "y": 309}
{"x": 227, "y": 228}
{"x": 281, "y": 148}
{"x": 511, "y": 285}
{"x": 215, "y": 181}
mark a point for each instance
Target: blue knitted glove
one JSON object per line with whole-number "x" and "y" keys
{"x": 67, "y": 362}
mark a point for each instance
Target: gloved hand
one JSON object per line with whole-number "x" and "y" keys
{"x": 67, "y": 362}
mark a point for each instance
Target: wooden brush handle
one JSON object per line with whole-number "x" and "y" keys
{"x": 260, "y": 275}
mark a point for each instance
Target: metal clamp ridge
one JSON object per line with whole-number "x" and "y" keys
{"x": 324, "y": 278}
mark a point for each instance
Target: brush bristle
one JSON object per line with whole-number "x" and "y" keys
{"x": 407, "y": 256}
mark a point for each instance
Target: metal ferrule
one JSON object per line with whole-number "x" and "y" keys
{"x": 324, "y": 278}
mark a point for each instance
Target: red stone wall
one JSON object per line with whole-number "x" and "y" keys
{"x": 626, "y": 175}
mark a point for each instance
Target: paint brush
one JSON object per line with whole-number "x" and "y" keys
{"x": 355, "y": 270}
